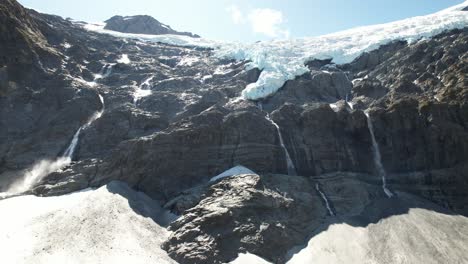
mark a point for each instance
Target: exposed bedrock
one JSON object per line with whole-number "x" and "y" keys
{"x": 164, "y": 146}
{"x": 142, "y": 25}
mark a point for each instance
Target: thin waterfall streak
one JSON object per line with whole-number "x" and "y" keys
{"x": 71, "y": 148}
{"x": 377, "y": 156}
{"x": 289, "y": 164}
{"x": 74, "y": 142}
{"x": 325, "y": 199}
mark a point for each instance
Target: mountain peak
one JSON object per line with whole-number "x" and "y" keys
{"x": 142, "y": 24}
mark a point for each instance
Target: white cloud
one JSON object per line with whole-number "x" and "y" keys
{"x": 236, "y": 14}
{"x": 262, "y": 20}
{"x": 268, "y": 21}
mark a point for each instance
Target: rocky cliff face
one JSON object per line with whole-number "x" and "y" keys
{"x": 172, "y": 119}
{"x": 142, "y": 25}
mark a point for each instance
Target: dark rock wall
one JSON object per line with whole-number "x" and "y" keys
{"x": 189, "y": 129}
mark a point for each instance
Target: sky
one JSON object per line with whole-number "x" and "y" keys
{"x": 248, "y": 20}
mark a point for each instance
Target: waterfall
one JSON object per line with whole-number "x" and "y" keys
{"x": 324, "y": 197}
{"x": 71, "y": 148}
{"x": 106, "y": 69}
{"x": 348, "y": 102}
{"x": 44, "y": 167}
{"x": 143, "y": 90}
{"x": 377, "y": 157}
{"x": 74, "y": 142}
{"x": 34, "y": 175}
{"x": 289, "y": 163}
{"x": 104, "y": 72}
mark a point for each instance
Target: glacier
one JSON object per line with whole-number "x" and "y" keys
{"x": 283, "y": 60}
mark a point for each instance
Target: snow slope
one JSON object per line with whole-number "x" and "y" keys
{"x": 420, "y": 236}
{"x": 91, "y": 226}
{"x": 283, "y": 60}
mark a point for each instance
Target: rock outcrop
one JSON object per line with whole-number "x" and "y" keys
{"x": 142, "y": 25}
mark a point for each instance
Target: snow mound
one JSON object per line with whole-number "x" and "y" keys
{"x": 112, "y": 224}
{"x": 248, "y": 258}
{"x": 283, "y": 60}
{"x": 238, "y": 170}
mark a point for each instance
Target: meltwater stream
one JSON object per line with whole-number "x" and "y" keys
{"x": 377, "y": 157}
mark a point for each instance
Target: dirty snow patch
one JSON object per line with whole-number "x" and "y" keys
{"x": 247, "y": 258}
{"x": 238, "y": 170}
{"x": 419, "y": 236}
